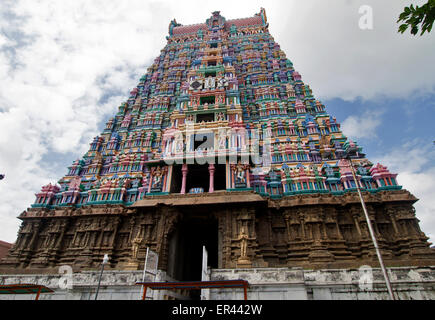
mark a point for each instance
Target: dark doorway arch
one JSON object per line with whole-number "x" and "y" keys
{"x": 193, "y": 231}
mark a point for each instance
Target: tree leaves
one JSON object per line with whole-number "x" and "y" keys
{"x": 417, "y": 18}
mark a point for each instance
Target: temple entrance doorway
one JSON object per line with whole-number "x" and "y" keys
{"x": 176, "y": 179}
{"x": 185, "y": 248}
{"x": 220, "y": 177}
{"x": 197, "y": 178}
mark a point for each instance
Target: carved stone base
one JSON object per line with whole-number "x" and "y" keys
{"x": 422, "y": 253}
{"x": 244, "y": 263}
{"x": 131, "y": 265}
{"x": 41, "y": 261}
{"x": 386, "y": 254}
{"x": 319, "y": 253}
{"x": 85, "y": 259}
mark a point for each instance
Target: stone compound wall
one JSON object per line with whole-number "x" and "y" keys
{"x": 265, "y": 283}
{"x": 115, "y": 285}
{"x": 409, "y": 283}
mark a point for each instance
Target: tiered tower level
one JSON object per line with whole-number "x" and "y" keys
{"x": 221, "y": 143}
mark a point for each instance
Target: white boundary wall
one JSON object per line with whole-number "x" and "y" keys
{"x": 416, "y": 283}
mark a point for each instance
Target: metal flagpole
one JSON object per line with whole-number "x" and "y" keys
{"x": 99, "y": 281}
{"x": 105, "y": 260}
{"x": 144, "y": 271}
{"x": 157, "y": 264}
{"x": 372, "y": 234}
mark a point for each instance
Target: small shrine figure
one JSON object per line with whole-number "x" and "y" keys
{"x": 222, "y": 140}
{"x": 220, "y": 99}
{"x": 240, "y": 173}
{"x": 75, "y": 183}
{"x": 179, "y": 147}
{"x": 135, "y": 247}
{"x": 220, "y": 116}
{"x": 243, "y": 238}
{"x": 158, "y": 176}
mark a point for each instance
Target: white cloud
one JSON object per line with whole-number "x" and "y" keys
{"x": 58, "y": 59}
{"x": 3, "y": 40}
{"x": 415, "y": 163}
{"x": 337, "y": 59}
{"x": 362, "y": 126}
{"x": 50, "y": 92}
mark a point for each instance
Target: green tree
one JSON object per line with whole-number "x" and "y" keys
{"x": 418, "y": 18}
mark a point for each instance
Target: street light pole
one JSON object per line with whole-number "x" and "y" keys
{"x": 105, "y": 260}
{"x": 372, "y": 234}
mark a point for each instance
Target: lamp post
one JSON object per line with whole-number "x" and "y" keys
{"x": 372, "y": 234}
{"x": 105, "y": 260}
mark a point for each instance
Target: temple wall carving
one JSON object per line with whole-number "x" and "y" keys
{"x": 263, "y": 234}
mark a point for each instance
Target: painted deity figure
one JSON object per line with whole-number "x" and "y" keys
{"x": 189, "y": 118}
{"x": 179, "y": 146}
{"x": 75, "y": 183}
{"x": 158, "y": 176}
{"x": 240, "y": 173}
{"x": 220, "y": 116}
{"x": 222, "y": 140}
{"x": 220, "y": 99}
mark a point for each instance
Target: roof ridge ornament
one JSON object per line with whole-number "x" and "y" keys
{"x": 172, "y": 25}
{"x": 216, "y": 20}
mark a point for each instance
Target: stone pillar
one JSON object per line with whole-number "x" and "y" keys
{"x": 35, "y": 231}
{"x": 390, "y": 213}
{"x": 355, "y": 219}
{"x": 302, "y": 222}
{"x": 211, "y": 170}
{"x": 355, "y": 215}
{"x": 322, "y": 224}
{"x": 184, "y": 171}
{"x": 339, "y": 235}
{"x": 288, "y": 224}
{"x": 151, "y": 183}
{"x": 116, "y": 223}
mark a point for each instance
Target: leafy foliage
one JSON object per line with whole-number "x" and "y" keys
{"x": 418, "y": 18}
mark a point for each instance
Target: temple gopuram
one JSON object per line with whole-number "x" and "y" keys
{"x": 221, "y": 144}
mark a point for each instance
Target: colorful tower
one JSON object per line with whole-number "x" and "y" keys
{"x": 221, "y": 144}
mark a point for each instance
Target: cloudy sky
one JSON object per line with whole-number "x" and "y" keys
{"x": 65, "y": 67}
